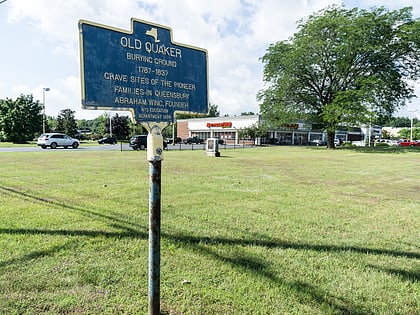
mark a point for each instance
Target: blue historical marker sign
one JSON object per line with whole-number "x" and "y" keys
{"x": 142, "y": 71}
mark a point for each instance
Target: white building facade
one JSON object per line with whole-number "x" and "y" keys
{"x": 300, "y": 133}
{"x": 224, "y": 128}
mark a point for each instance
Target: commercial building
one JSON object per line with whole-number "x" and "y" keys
{"x": 224, "y": 128}
{"x": 299, "y": 133}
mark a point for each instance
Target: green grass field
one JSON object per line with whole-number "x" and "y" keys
{"x": 271, "y": 230}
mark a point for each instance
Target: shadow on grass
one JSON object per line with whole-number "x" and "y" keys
{"x": 195, "y": 240}
{"x": 412, "y": 276}
{"x": 126, "y": 229}
{"x": 114, "y": 221}
{"x": 305, "y": 292}
{"x": 37, "y": 254}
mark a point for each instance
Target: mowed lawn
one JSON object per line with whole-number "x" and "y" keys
{"x": 269, "y": 230}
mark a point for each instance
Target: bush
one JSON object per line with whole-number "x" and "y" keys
{"x": 382, "y": 144}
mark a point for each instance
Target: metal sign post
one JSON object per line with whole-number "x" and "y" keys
{"x": 154, "y": 156}
{"x": 143, "y": 71}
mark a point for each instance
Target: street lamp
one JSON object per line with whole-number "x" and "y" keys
{"x": 411, "y": 128}
{"x": 43, "y": 108}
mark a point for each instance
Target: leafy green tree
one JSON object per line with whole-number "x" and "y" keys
{"x": 21, "y": 119}
{"x": 252, "y": 132}
{"x": 66, "y": 123}
{"x": 120, "y": 126}
{"x": 405, "y": 133}
{"x": 213, "y": 111}
{"x": 92, "y": 124}
{"x": 50, "y": 123}
{"x": 137, "y": 129}
{"x": 342, "y": 67}
{"x": 397, "y": 122}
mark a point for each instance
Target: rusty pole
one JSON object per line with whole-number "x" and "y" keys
{"x": 154, "y": 237}
{"x": 154, "y": 156}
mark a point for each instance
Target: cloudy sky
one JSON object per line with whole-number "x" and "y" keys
{"x": 40, "y": 43}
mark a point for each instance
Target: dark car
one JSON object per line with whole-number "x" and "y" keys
{"x": 174, "y": 140}
{"x": 193, "y": 140}
{"x": 139, "y": 142}
{"x": 108, "y": 140}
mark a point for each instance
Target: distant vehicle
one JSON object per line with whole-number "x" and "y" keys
{"x": 139, "y": 142}
{"x": 54, "y": 140}
{"x": 108, "y": 140}
{"x": 318, "y": 142}
{"x": 408, "y": 143}
{"x": 358, "y": 143}
{"x": 337, "y": 142}
{"x": 386, "y": 141}
{"x": 174, "y": 141}
{"x": 193, "y": 140}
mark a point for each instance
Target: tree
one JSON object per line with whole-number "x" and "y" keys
{"x": 213, "y": 111}
{"x": 93, "y": 125}
{"x": 405, "y": 133}
{"x": 66, "y": 123}
{"x": 342, "y": 67}
{"x": 254, "y": 131}
{"x": 21, "y": 119}
{"x": 119, "y": 125}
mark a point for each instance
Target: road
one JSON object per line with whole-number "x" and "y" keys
{"x": 115, "y": 147}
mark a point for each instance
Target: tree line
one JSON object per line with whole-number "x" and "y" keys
{"x": 22, "y": 120}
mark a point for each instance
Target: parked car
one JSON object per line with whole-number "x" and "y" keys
{"x": 318, "y": 142}
{"x": 54, "y": 140}
{"x": 108, "y": 140}
{"x": 408, "y": 143}
{"x": 193, "y": 140}
{"x": 139, "y": 142}
{"x": 386, "y": 142}
{"x": 174, "y": 141}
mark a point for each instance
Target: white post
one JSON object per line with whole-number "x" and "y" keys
{"x": 411, "y": 128}
{"x": 110, "y": 125}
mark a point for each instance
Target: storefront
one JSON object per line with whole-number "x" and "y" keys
{"x": 300, "y": 133}
{"x": 223, "y": 128}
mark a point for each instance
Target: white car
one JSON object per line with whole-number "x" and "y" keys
{"x": 54, "y": 140}
{"x": 387, "y": 141}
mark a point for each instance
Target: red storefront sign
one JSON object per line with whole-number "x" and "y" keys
{"x": 220, "y": 125}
